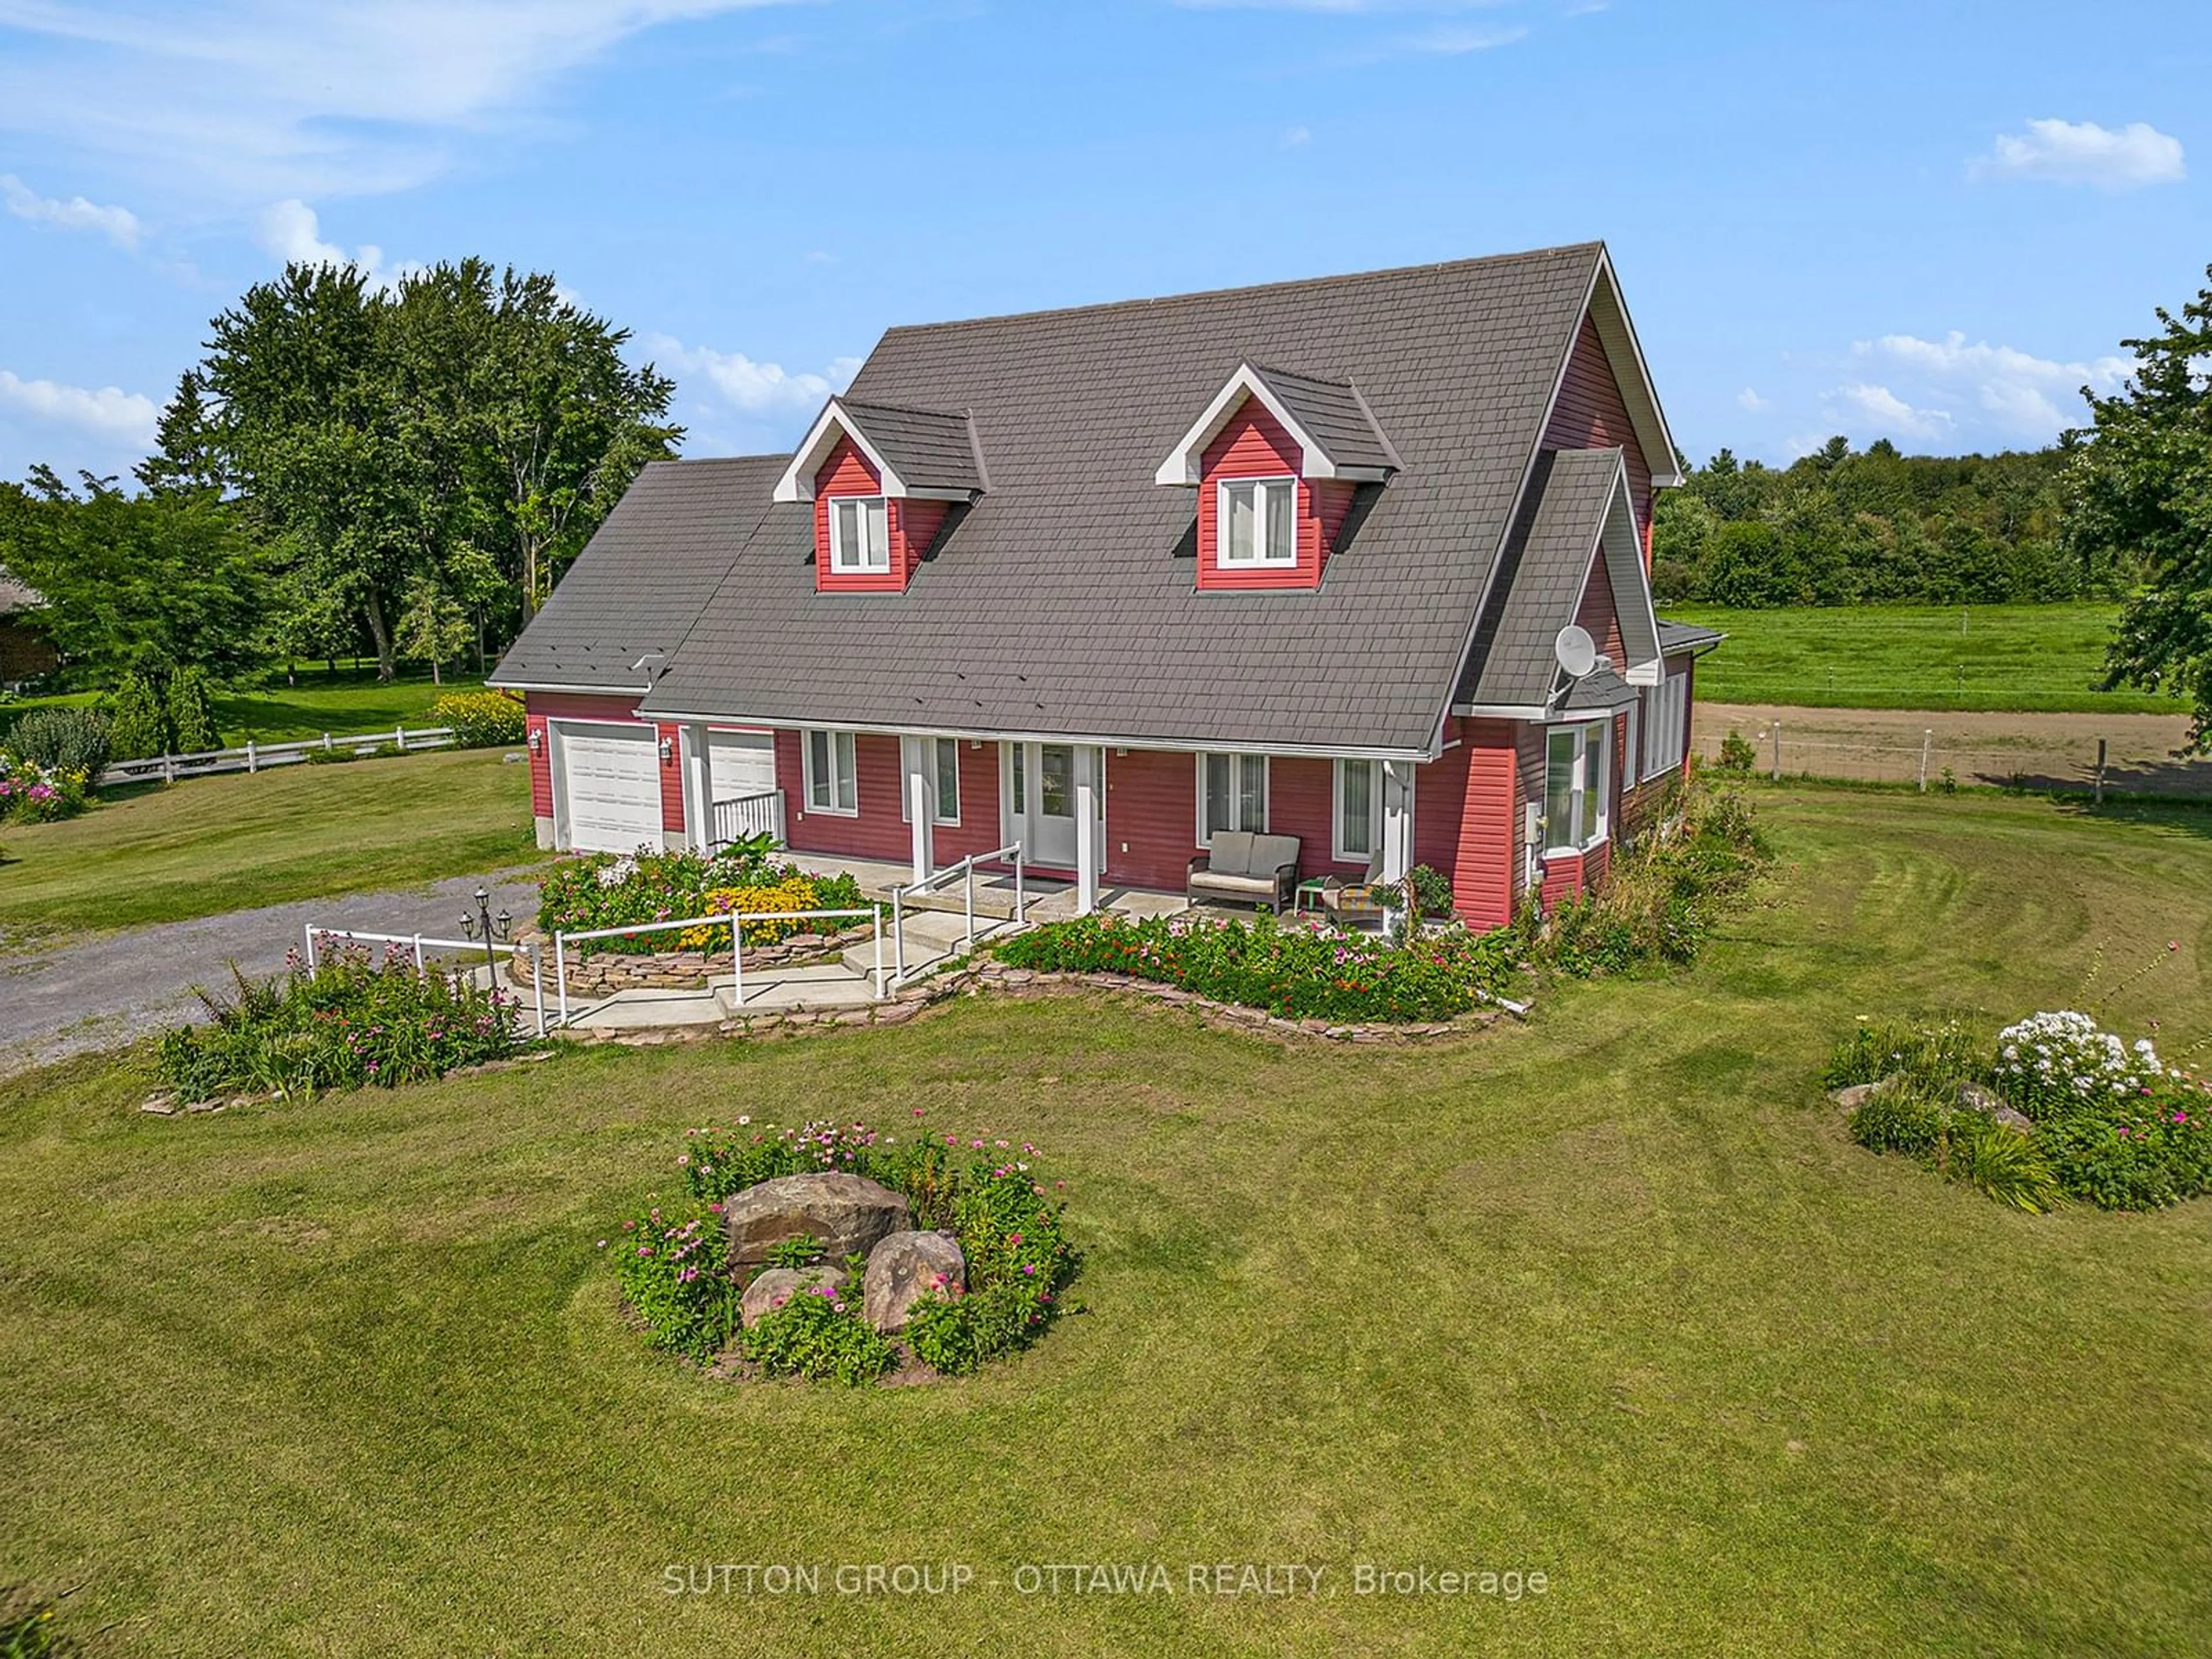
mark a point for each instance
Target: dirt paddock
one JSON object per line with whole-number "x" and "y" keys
{"x": 2041, "y": 751}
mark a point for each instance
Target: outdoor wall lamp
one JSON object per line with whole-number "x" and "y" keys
{"x": 537, "y": 739}
{"x": 499, "y": 927}
{"x": 667, "y": 750}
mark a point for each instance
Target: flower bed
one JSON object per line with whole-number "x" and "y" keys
{"x": 32, "y": 794}
{"x": 672, "y": 1260}
{"x": 2056, "y": 1106}
{"x": 353, "y": 1019}
{"x": 1297, "y": 968}
{"x": 605, "y": 890}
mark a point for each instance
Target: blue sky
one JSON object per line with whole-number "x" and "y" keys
{"x": 1929, "y": 222}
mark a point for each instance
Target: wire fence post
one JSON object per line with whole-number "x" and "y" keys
{"x": 2100, "y": 772}
{"x": 308, "y": 928}
{"x": 251, "y": 764}
{"x": 737, "y": 957}
{"x": 561, "y": 973}
{"x": 1927, "y": 742}
{"x": 1777, "y": 751}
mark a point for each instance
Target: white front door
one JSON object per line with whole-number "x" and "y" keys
{"x": 609, "y": 780}
{"x": 740, "y": 763}
{"x": 1040, "y": 801}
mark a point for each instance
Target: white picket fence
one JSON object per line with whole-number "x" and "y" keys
{"x": 259, "y": 757}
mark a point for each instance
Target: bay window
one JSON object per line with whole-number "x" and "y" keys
{"x": 1666, "y": 724}
{"x": 1258, "y": 522}
{"x": 1359, "y": 810}
{"x": 832, "y": 778}
{"x": 1232, "y": 794}
{"x": 859, "y": 533}
{"x": 1575, "y": 786}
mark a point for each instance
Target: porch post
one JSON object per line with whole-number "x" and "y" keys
{"x": 1397, "y": 819}
{"x": 698, "y": 786}
{"x": 914, "y": 755}
{"x": 1086, "y": 830}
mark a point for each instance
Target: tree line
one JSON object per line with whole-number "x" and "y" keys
{"x": 1876, "y": 526}
{"x": 350, "y": 470}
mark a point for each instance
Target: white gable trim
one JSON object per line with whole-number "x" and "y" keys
{"x": 1623, "y": 554}
{"x": 1185, "y": 462}
{"x": 1610, "y": 313}
{"x": 797, "y": 483}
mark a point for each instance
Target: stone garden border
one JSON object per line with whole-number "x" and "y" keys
{"x": 600, "y": 974}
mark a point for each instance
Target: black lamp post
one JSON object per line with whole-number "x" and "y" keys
{"x": 497, "y": 927}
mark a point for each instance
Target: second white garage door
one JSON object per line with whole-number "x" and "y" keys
{"x": 611, "y": 787}
{"x": 740, "y": 763}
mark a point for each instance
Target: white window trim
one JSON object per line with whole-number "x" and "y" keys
{"x": 1666, "y": 732}
{"x": 1259, "y": 561}
{"x": 1593, "y": 738}
{"x": 837, "y": 739}
{"x": 937, "y": 814}
{"x": 862, "y": 567}
{"x": 1238, "y": 761}
{"x": 1337, "y": 850}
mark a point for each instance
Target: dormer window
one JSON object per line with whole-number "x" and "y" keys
{"x": 860, "y": 534}
{"x": 1259, "y": 521}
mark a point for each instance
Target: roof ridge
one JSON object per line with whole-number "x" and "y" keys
{"x": 1193, "y": 295}
{"x": 901, "y": 409}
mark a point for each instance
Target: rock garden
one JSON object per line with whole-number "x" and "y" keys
{"x": 838, "y": 1252}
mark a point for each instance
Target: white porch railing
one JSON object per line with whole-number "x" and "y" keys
{"x": 965, "y": 871}
{"x": 747, "y": 815}
{"x": 260, "y": 756}
{"x": 420, "y": 942}
{"x": 735, "y": 921}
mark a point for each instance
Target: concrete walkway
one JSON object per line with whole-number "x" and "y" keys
{"x": 113, "y": 988}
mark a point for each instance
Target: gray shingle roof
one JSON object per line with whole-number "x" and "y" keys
{"x": 1063, "y": 600}
{"x": 928, "y": 448}
{"x": 16, "y": 596}
{"x": 1601, "y": 689}
{"x": 1335, "y": 415}
{"x": 1547, "y": 562}
{"x": 639, "y": 587}
{"x": 1676, "y": 637}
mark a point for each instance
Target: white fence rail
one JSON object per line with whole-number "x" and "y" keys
{"x": 747, "y": 815}
{"x": 421, "y": 942}
{"x": 735, "y": 921}
{"x": 963, "y": 871}
{"x": 259, "y": 757}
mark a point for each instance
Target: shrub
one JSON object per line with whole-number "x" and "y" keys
{"x": 481, "y": 719}
{"x": 2052, "y": 1064}
{"x": 62, "y": 739}
{"x": 139, "y": 728}
{"x": 2145, "y": 1156}
{"x": 605, "y": 890}
{"x": 675, "y": 1275}
{"x": 1901, "y": 1118}
{"x": 1932, "y": 1055}
{"x": 1737, "y": 754}
{"x": 817, "y": 1334}
{"x": 1301, "y": 968}
{"x": 1999, "y": 1162}
{"x": 191, "y": 714}
{"x": 352, "y": 1020}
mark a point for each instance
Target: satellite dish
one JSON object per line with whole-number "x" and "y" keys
{"x": 1577, "y": 651}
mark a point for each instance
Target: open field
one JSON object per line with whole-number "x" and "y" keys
{"x": 351, "y": 705}
{"x": 1609, "y": 1297}
{"x": 233, "y": 842}
{"x": 2024, "y": 750}
{"x": 2029, "y": 657}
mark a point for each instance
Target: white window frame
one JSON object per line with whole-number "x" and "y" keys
{"x": 841, "y": 751}
{"x": 945, "y": 803}
{"x": 1239, "y": 767}
{"x": 1338, "y": 849}
{"x": 1593, "y": 756}
{"x": 1667, "y": 727}
{"x": 863, "y": 510}
{"x": 1262, "y": 488}
{"x": 1630, "y": 755}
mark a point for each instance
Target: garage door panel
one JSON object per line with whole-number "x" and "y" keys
{"x": 610, "y": 787}
{"x": 740, "y": 763}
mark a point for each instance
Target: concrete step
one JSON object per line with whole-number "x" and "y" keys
{"x": 827, "y": 985}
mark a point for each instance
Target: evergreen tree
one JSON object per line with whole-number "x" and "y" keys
{"x": 140, "y": 724}
{"x": 192, "y": 713}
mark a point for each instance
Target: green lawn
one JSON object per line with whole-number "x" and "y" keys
{"x": 1608, "y": 1296}
{"x": 352, "y": 704}
{"x": 2026, "y": 657}
{"x": 210, "y": 845}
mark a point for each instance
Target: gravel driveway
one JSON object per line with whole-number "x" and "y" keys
{"x": 110, "y": 989}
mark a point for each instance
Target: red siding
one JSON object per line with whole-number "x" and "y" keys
{"x": 911, "y": 525}
{"x": 1333, "y": 499}
{"x": 1563, "y": 879}
{"x": 1152, "y": 807}
{"x": 1254, "y": 444}
{"x": 542, "y": 706}
{"x": 672, "y": 780}
{"x": 1302, "y": 802}
{"x": 1590, "y": 414}
{"x": 978, "y": 828}
{"x": 1600, "y": 612}
{"x": 878, "y": 832}
{"x": 1486, "y": 858}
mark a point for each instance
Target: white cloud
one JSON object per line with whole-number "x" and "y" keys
{"x": 1879, "y": 408}
{"x": 290, "y": 232}
{"x": 243, "y": 101}
{"x": 1752, "y": 402}
{"x": 119, "y": 225}
{"x": 108, "y": 411}
{"x": 2014, "y": 394}
{"x": 2083, "y": 153}
{"x": 1294, "y": 136}
{"x": 755, "y": 388}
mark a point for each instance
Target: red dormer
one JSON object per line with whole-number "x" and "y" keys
{"x": 1277, "y": 458}
{"x": 882, "y": 480}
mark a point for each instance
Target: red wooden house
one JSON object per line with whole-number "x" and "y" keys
{"x": 1107, "y": 582}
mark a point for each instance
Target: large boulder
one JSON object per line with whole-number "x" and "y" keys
{"x": 779, "y": 1285}
{"x": 847, "y": 1213}
{"x": 905, "y": 1267}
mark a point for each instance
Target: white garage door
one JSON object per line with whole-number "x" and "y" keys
{"x": 740, "y": 763}
{"x": 611, "y": 787}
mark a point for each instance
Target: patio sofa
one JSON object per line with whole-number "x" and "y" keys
{"x": 1246, "y": 868}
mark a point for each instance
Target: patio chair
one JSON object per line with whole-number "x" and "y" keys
{"x": 1355, "y": 902}
{"x": 1251, "y": 869}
